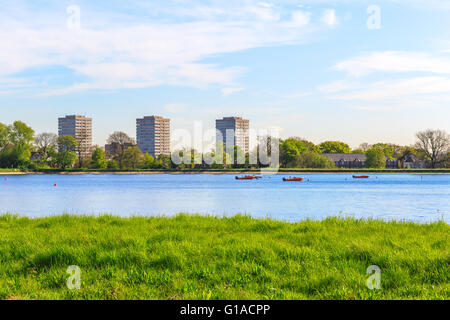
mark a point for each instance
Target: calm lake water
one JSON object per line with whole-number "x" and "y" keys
{"x": 402, "y": 197}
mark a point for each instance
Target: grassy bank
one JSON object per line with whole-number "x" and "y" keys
{"x": 193, "y": 257}
{"x": 9, "y": 170}
{"x": 239, "y": 171}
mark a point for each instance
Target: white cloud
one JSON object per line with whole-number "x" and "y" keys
{"x": 397, "y": 88}
{"x": 394, "y": 61}
{"x": 230, "y": 91}
{"x": 301, "y": 18}
{"x": 417, "y": 91}
{"x": 118, "y": 51}
{"x": 329, "y": 18}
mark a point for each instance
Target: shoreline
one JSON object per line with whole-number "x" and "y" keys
{"x": 220, "y": 173}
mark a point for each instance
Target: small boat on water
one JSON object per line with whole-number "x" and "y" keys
{"x": 293, "y": 179}
{"x": 360, "y": 177}
{"x": 246, "y": 178}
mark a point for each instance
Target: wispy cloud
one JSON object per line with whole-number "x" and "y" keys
{"x": 396, "y": 88}
{"x": 230, "y": 91}
{"x": 119, "y": 50}
{"x": 424, "y": 79}
{"x": 394, "y": 61}
{"x": 329, "y": 18}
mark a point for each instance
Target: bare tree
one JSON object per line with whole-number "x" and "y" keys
{"x": 435, "y": 144}
{"x": 119, "y": 142}
{"x": 365, "y": 146}
{"x": 45, "y": 142}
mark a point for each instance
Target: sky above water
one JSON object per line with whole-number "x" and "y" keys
{"x": 357, "y": 71}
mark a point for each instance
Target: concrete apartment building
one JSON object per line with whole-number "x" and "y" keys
{"x": 239, "y": 130}
{"x": 79, "y": 127}
{"x": 153, "y": 135}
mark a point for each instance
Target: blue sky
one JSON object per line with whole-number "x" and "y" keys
{"x": 312, "y": 69}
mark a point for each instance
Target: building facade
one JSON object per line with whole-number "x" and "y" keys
{"x": 153, "y": 135}
{"x": 355, "y": 160}
{"x": 410, "y": 161}
{"x": 235, "y": 129}
{"x": 347, "y": 160}
{"x": 79, "y": 127}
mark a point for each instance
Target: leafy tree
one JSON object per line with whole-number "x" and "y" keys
{"x": 375, "y": 158}
{"x": 291, "y": 149}
{"x": 148, "y": 162}
{"x": 4, "y": 137}
{"x": 311, "y": 159}
{"x": 112, "y": 165}
{"x": 98, "y": 159}
{"x": 132, "y": 158}
{"x": 66, "y": 159}
{"x": 67, "y": 143}
{"x": 435, "y": 144}
{"x": 21, "y": 137}
{"x": 334, "y": 147}
{"x": 66, "y": 156}
{"x": 390, "y": 150}
{"x": 308, "y": 144}
{"x": 164, "y": 161}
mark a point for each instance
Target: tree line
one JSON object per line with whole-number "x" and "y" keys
{"x": 21, "y": 148}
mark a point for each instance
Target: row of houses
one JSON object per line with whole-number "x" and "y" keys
{"x": 358, "y": 160}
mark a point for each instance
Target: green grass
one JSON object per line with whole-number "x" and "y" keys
{"x": 9, "y": 170}
{"x": 194, "y": 257}
{"x": 238, "y": 171}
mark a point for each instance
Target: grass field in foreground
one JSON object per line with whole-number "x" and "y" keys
{"x": 194, "y": 257}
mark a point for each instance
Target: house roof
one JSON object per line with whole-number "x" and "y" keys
{"x": 345, "y": 156}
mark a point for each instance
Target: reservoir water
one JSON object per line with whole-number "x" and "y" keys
{"x": 419, "y": 198}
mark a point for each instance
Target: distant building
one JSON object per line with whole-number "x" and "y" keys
{"x": 80, "y": 128}
{"x": 234, "y": 128}
{"x": 355, "y": 160}
{"x": 410, "y": 161}
{"x": 153, "y": 135}
{"x": 347, "y": 160}
{"x": 391, "y": 163}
